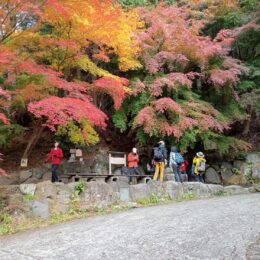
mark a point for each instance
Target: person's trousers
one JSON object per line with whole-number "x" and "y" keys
{"x": 177, "y": 172}
{"x": 54, "y": 174}
{"x": 159, "y": 168}
{"x": 199, "y": 178}
{"x": 133, "y": 171}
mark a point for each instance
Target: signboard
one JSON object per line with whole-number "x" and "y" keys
{"x": 24, "y": 162}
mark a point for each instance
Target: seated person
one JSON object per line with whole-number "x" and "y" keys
{"x": 150, "y": 168}
{"x": 133, "y": 160}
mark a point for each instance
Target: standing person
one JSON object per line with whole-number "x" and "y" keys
{"x": 55, "y": 156}
{"x": 184, "y": 175}
{"x": 133, "y": 160}
{"x": 159, "y": 158}
{"x": 199, "y": 166}
{"x": 176, "y": 160}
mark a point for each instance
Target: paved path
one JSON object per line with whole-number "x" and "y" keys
{"x": 219, "y": 228}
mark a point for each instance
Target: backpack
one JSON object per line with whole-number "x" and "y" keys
{"x": 158, "y": 154}
{"x": 201, "y": 166}
{"x": 183, "y": 167}
{"x": 178, "y": 158}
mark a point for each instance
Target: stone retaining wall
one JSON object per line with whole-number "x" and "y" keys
{"x": 45, "y": 199}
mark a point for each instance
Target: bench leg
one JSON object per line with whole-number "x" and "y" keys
{"x": 112, "y": 179}
{"x": 144, "y": 179}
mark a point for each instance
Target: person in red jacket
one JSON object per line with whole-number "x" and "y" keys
{"x": 133, "y": 160}
{"x": 55, "y": 156}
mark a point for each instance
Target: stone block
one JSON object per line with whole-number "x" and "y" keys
{"x": 124, "y": 194}
{"x": 40, "y": 208}
{"x": 156, "y": 188}
{"x": 254, "y": 188}
{"x": 212, "y": 176}
{"x": 72, "y": 186}
{"x": 235, "y": 190}
{"x": 10, "y": 179}
{"x": 64, "y": 195}
{"x": 25, "y": 175}
{"x": 139, "y": 192}
{"x": 168, "y": 170}
{"x": 97, "y": 195}
{"x": 257, "y": 187}
{"x": 215, "y": 189}
{"x": 204, "y": 191}
{"x": 39, "y": 172}
{"x": 253, "y": 165}
{"x": 236, "y": 179}
{"x": 253, "y": 158}
{"x": 45, "y": 190}
{"x": 169, "y": 177}
{"x": 226, "y": 170}
{"x": 173, "y": 189}
{"x": 103, "y": 179}
{"x": 123, "y": 179}
{"x": 193, "y": 187}
{"x": 28, "y": 188}
{"x": 256, "y": 172}
{"x": 238, "y": 164}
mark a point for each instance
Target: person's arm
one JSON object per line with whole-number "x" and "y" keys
{"x": 165, "y": 156}
{"x": 60, "y": 153}
{"x": 165, "y": 153}
{"x": 194, "y": 161}
{"x": 49, "y": 156}
{"x": 137, "y": 159}
{"x": 129, "y": 159}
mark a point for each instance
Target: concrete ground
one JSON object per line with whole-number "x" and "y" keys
{"x": 218, "y": 228}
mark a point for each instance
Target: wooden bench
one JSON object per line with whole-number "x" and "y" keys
{"x": 76, "y": 177}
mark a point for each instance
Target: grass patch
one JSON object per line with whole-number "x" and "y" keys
{"x": 220, "y": 193}
{"x": 249, "y": 174}
{"x": 29, "y": 197}
{"x": 5, "y": 223}
{"x": 187, "y": 196}
{"x": 80, "y": 187}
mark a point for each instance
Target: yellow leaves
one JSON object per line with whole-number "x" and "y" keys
{"x": 90, "y": 135}
{"x": 104, "y": 23}
{"x": 82, "y": 134}
{"x": 127, "y": 63}
{"x": 89, "y": 66}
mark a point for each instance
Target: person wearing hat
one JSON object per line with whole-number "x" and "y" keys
{"x": 55, "y": 156}
{"x": 133, "y": 160}
{"x": 199, "y": 166}
{"x": 160, "y": 160}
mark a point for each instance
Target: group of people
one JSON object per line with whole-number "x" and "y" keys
{"x": 159, "y": 161}
{"x": 176, "y": 162}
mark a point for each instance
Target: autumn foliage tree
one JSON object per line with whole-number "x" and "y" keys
{"x": 54, "y": 56}
{"x": 183, "y": 71}
{"x": 168, "y": 70}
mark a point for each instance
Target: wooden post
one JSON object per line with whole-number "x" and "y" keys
{"x": 109, "y": 162}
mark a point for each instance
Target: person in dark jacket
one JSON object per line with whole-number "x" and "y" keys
{"x": 160, "y": 160}
{"x": 55, "y": 155}
{"x": 174, "y": 164}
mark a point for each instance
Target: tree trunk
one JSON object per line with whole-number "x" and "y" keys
{"x": 33, "y": 140}
{"x": 247, "y": 126}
